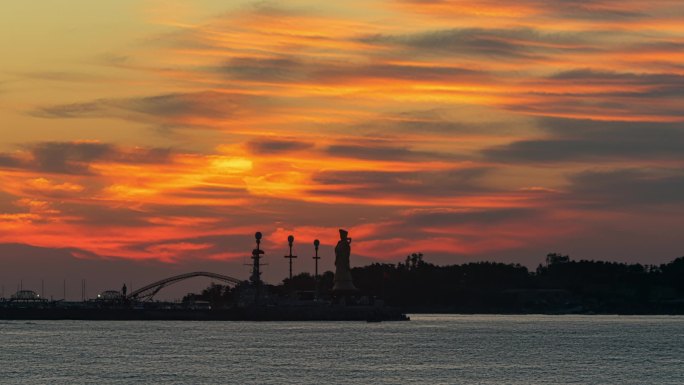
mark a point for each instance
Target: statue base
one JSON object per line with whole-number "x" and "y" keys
{"x": 344, "y": 287}
{"x": 343, "y": 281}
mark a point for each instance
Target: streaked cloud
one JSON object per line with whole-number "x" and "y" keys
{"x": 516, "y": 43}
{"x": 572, "y": 140}
{"x": 178, "y": 109}
{"x": 626, "y": 187}
{"x": 76, "y": 157}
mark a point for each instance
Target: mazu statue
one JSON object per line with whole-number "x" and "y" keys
{"x": 343, "y": 278}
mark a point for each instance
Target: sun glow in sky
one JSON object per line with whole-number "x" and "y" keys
{"x": 172, "y": 130}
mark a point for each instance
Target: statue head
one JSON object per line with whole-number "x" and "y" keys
{"x": 343, "y": 234}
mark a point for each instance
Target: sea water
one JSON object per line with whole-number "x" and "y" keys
{"x": 430, "y": 349}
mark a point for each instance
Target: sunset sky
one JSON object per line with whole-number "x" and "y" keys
{"x": 146, "y": 137}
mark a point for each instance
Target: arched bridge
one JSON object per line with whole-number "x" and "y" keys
{"x": 146, "y": 293}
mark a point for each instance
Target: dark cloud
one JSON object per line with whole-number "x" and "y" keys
{"x": 262, "y": 214}
{"x": 112, "y": 59}
{"x": 509, "y": 43}
{"x": 570, "y": 9}
{"x": 604, "y": 128}
{"x": 658, "y": 46}
{"x": 208, "y": 192}
{"x": 448, "y": 127}
{"x": 103, "y": 216}
{"x": 380, "y": 150}
{"x": 323, "y": 214}
{"x": 208, "y": 104}
{"x": 630, "y": 95}
{"x": 447, "y": 218}
{"x": 265, "y": 70}
{"x": 77, "y": 157}
{"x": 383, "y": 152}
{"x": 277, "y": 146}
{"x": 284, "y": 70}
{"x": 211, "y": 244}
{"x": 7, "y": 205}
{"x": 439, "y": 121}
{"x": 579, "y": 150}
{"x": 627, "y": 187}
{"x": 576, "y": 140}
{"x": 69, "y": 157}
{"x": 399, "y": 72}
{"x": 417, "y": 183}
{"x": 61, "y": 76}
{"x": 586, "y": 9}
{"x": 645, "y": 85}
{"x": 9, "y": 161}
{"x": 74, "y": 110}
{"x": 164, "y": 109}
{"x": 275, "y": 9}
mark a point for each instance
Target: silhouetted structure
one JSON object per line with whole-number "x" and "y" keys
{"x": 561, "y": 285}
{"x": 290, "y": 240}
{"x": 256, "y": 260}
{"x": 343, "y": 276}
{"x": 147, "y": 292}
{"x": 316, "y": 258}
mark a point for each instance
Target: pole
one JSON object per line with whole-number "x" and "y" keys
{"x": 290, "y": 240}
{"x": 256, "y": 268}
{"x": 256, "y": 274}
{"x": 316, "y": 258}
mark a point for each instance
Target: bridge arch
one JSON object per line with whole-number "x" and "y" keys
{"x": 146, "y": 292}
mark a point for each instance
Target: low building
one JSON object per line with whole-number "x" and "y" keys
{"x": 27, "y": 296}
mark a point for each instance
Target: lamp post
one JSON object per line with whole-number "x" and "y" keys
{"x": 316, "y": 258}
{"x": 256, "y": 267}
{"x": 290, "y": 240}
{"x": 256, "y": 256}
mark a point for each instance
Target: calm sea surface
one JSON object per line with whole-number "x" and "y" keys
{"x": 427, "y": 350}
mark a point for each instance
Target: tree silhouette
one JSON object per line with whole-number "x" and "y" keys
{"x": 563, "y": 285}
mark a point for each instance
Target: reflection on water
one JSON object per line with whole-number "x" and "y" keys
{"x": 483, "y": 349}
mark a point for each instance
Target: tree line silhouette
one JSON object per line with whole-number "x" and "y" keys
{"x": 560, "y": 285}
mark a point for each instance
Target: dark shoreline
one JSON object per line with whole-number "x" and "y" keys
{"x": 370, "y": 314}
{"x": 264, "y": 315}
{"x": 672, "y": 311}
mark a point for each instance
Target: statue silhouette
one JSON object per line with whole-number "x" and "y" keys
{"x": 343, "y": 278}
